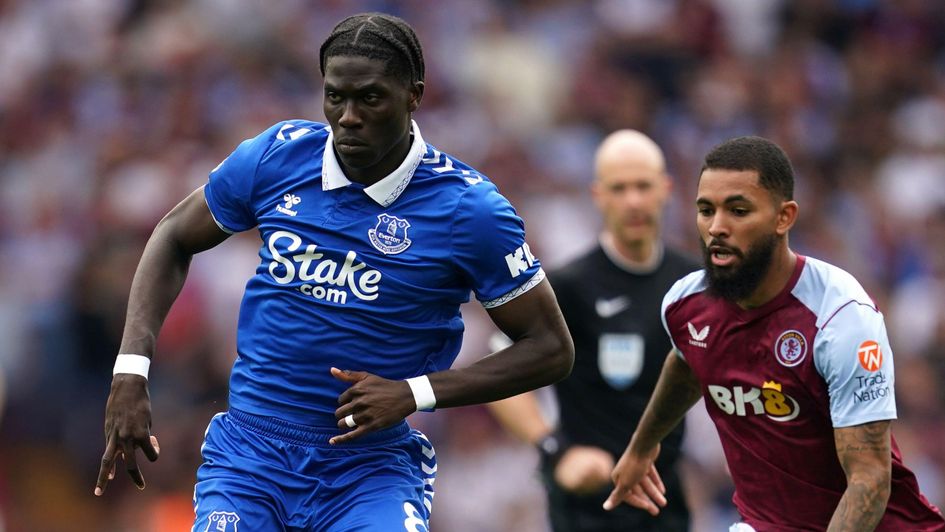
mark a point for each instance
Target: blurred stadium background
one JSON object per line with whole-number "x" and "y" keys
{"x": 113, "y": 110}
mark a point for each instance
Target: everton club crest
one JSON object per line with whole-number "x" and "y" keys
{"x": 223, "y": 522}
{"x": 389, "y": 236}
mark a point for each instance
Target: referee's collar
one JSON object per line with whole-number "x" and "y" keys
{"x": 388, "y": 189}
{"x": 607, "y": 243}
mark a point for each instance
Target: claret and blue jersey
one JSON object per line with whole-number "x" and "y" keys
{"x": 360, "y": 278}
{"x": 779, "y": 379}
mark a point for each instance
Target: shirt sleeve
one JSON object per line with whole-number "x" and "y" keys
{"x": 489, "y": 247}
{"x": 671, "y": 296}
{"x": 853, "y": 355}
{"x": 229, "y": 191}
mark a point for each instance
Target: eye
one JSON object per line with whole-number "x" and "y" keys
{"x": 371, "y": 98}
{"x": 705, "y": 211}
{"x": 740, "y": 211}
{"x": 332, "y": 97}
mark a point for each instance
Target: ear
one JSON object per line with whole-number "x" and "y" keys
{"x": 416, "y": 95}
{"x": 597, "y": 194}
{"x": 667, "y": 185}
{"x": 787, "y": 215}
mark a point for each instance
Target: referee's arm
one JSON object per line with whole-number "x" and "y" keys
{"x": 521, "y": 416}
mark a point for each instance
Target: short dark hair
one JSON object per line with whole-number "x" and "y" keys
{"x": 377, "y": 36}
{"x": 755, "y": 153}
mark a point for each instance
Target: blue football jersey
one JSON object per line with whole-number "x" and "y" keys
{"x": 360, "y": 278}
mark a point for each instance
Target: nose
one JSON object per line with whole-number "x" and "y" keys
{"x": 633, "y": 199}
{"x": 718, "y": 227}
{"x": 349, "y": 116}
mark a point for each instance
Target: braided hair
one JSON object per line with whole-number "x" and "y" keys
{"x": 377, "y": 36}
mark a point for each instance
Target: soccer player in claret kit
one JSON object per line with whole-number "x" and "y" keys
{"x": 792, "y": 358}
{"x": 610, "y": 297}
{"x": 371, "y": 239}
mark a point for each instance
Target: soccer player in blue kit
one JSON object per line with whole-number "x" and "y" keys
{"x": 371, "y": 239}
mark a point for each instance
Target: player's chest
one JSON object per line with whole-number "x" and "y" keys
{"x": 309, "y": 230}
{"x": 714, "y": 338}
{"x": 762, "y": 367}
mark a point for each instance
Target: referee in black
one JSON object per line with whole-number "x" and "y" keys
{"x": 611, "y": 300}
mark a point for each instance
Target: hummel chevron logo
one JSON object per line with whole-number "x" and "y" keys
{"x": 608, "y": 308}
{"x": 698, "y": 337}
{"x": 290, "y": 132}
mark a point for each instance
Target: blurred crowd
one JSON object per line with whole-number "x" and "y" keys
{"x": 111, "y": 111}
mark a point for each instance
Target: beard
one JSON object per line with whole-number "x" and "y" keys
{"x": 736, "y": 283}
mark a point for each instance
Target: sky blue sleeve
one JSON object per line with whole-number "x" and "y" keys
{"x": 853, "y": 355}
{"x": 229, "y": 191}
{"x": 489, "y": 246}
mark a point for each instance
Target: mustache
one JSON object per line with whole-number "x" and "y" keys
{"x": 718, "y": 245}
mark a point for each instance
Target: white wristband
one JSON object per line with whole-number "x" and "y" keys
{"x": 422, "y": 392}
{"x": 133, "y": 364}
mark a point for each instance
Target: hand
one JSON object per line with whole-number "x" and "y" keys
{"x": 584, "y": 470}
{"x": 637, "y": 482}
{"x": 127, "y": 427}
{"x": 374, "y": 402}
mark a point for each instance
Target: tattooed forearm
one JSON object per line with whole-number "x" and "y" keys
{"x": 861, "y": 507}
{"x": 864, "y": 453}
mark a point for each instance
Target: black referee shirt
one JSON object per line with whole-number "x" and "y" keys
{"x": 620, "y": 346}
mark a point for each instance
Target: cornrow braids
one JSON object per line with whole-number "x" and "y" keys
{"x": 377, "y": 36}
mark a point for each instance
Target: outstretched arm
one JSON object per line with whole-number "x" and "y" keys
{"x": 188, "y": 229}
{"x": 635, "y": 478}
{"x": 541, "y": 353}
{"x": 865, "y": 455}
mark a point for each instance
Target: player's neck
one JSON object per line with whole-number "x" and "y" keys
{"x": 383, "y": 168}
{"x": 641, "y": 256}
{"x": 774, "y": 281}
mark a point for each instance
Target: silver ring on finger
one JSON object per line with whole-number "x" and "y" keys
{"x": 349, "y": 420}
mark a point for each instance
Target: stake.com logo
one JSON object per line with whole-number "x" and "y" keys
{"x": 769, "y": 401}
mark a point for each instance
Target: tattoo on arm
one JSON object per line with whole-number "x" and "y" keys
{"x": 864, "y": 452}
{"x": 861, "y": 438}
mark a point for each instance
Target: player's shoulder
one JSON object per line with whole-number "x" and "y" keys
{"x": 461, "y": 188}
{"x": 276, "y": 138}
{"x": 452, "y": 175}
{"x": 299, "y": 134}
{"x": 824, "y": 289}
{"x": 691, "y": 285}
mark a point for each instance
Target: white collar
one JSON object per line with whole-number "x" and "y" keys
{"x": 385, "y": 191}
{"x": 610, "y": 249}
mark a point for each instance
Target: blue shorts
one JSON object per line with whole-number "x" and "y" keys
{"x": 262, "y": 473}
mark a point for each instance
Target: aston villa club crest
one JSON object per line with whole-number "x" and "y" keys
{"x": 791, "y": 348}
{"x": 389, "y": 236}
{"x": 222, "y": 522}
